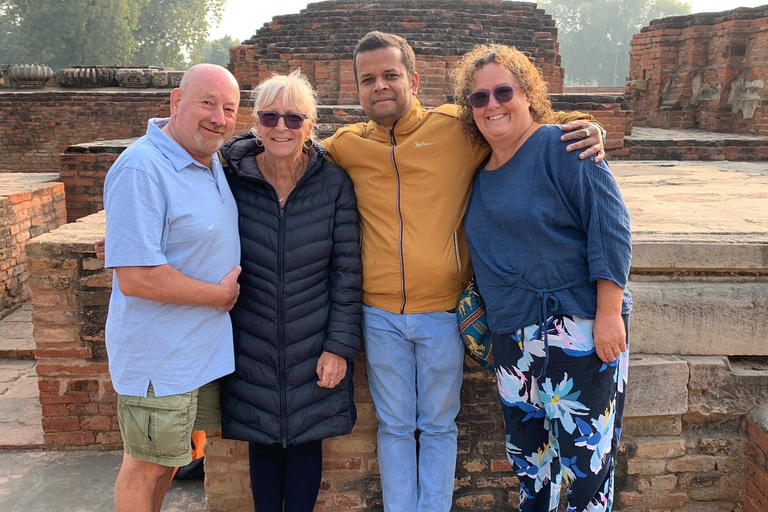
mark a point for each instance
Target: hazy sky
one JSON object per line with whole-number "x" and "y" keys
{"x": 242, "y": 18}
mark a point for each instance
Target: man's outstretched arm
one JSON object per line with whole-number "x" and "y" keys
{"x": 586, "y": 133}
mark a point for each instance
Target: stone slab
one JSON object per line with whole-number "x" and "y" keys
{"x": 32, "y": 481}
{"x": 726, "y": 254}
{"x": 657, "y": 386}
{"x": 720, "y": 388}
{"x": 699, "y": 318}
{"x": 663, "y": 134}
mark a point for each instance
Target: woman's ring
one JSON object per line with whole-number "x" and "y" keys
{"x": 586, "y": 132}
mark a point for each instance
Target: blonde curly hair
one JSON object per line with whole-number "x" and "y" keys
{"x": 528, "y": 77}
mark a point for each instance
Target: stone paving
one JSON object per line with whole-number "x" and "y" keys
{"x": 81, "y": 481}
{"x": 16, "y": 341}
{"x": 20, "y": 412}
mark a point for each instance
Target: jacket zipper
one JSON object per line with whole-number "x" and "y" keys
{"x": 400, "y": 218}
{"x": 280, "y": 332}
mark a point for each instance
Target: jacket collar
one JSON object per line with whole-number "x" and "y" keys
{"x": 241, "y": 155}
{"x": 404, "y": 126}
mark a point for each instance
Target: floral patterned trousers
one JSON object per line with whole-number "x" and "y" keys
{"x": 562, "y": 409}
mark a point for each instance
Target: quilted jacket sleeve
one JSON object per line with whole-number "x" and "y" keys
{"x": 346, "y": 274}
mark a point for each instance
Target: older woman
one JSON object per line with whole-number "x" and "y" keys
{"x": 297, "y": 320}
{"x": 549, "y": 239}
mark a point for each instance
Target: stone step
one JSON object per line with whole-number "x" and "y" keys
{"x": 664, "y": 144}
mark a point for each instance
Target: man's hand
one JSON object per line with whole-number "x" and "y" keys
{"x": 588, "y": 136}
{"x": 99, "y": 247}
{"x": 231, "y": 289}
{"x": 330, "y": 370}
{"x": 610, "y": 337}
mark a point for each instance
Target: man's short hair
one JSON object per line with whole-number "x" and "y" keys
{"x": 375, "y": 40}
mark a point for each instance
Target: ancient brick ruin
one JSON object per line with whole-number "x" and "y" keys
{"x": 705, "y": 71}
{"x": 320, "y": 40}
{"x": 700, "y": 445}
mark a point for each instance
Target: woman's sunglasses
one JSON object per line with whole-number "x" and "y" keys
{"x": 502, "y": 93}
{"x": 269, "y": 119}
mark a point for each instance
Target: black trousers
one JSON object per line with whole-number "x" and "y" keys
{"x": 285, "y": 479}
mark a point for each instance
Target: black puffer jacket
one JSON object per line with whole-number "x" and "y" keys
{"x": 300, "y": 293}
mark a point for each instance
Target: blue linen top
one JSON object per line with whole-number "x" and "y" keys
{"x": 163, "y": 207}
{"x": 542, "y": 229}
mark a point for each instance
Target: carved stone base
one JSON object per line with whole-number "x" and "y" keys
{"x": 29, "y": 76}
{"x": 85, "y": 77}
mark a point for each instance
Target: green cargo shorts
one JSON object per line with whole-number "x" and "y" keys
{"x": 158, "y": 429}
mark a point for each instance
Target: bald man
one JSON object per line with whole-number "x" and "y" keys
{"x": 172, "y": 239}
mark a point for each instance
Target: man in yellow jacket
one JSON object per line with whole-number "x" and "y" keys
{"x": 413, "y": 169}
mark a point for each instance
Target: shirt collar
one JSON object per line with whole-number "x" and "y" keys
{"x": 177, "y": 155}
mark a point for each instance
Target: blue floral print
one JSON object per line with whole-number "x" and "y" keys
{"x": 562, "y": 423}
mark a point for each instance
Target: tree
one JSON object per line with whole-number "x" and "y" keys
{"x": 64, "y": 33}
{"x": 11, "y": 51}
{"x": 173, "y": 31}
{"x": 594, "y": 36}
{"x": 61, "y": 33}
{"x": 217, "y": 51}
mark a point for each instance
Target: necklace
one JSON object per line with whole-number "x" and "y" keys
{"x": 300, "y": 166}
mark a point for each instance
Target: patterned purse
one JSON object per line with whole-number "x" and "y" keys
{"x": 473, "y": 327}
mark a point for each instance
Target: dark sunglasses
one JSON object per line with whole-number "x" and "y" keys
{"x": 502, "y": 93}
{"x": 269, "y": 119}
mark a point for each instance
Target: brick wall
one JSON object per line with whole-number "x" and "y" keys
{"x": 756, "y": 428}
{"x": 82, "y": 168}
{"x": 70, "y": 295}
{"x": 705, "y": 71}
{"x": 320, "y": 40}
{"x": 29, "y": 206}
{"x": 40, "y": 124}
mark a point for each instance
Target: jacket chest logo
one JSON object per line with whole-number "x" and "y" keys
{"x": 418, "y": 144}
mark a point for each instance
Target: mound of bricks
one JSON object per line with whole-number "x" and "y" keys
{"x": 320, "y": 40}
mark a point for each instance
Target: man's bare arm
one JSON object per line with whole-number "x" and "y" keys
{"x": 164, "y": 283}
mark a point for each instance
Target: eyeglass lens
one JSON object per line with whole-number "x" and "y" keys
{"x": 269, "y": 119}
{"x": 502, "y": 93}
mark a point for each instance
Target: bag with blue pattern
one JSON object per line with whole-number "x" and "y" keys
{"x": 473, "y": 327}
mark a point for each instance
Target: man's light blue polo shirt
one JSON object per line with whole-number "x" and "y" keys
{"x": 163, "y": 207}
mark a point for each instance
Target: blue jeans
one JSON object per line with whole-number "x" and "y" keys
{"x": 415, "y": 368}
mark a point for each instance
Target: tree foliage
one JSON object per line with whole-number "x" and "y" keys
{"x": 594, "y": 35}
{"x": 217, "y": 51}
{"x": 64, "y": 33}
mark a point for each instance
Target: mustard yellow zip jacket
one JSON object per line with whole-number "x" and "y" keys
{"x": 412, "y": 185}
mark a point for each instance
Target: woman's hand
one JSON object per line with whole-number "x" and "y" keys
{"x": 330, "y": 370}
{"x": 609, "y": 332}
{"x": 588, "y": 136}
{"x": 610, "y": 337}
